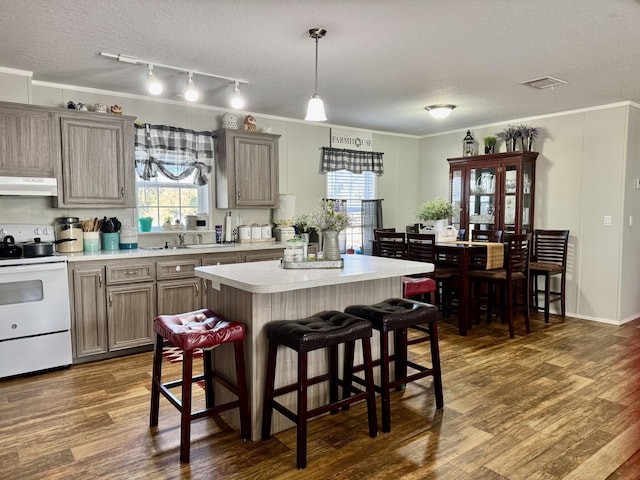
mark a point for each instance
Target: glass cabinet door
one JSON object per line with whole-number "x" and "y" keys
{"x": 456, "y": 197}
{"x": 527, "y": 197}
{"x": 482, "y": 198}
{"x": 510, "y": 189}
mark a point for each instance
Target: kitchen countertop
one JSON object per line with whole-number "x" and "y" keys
{"x": 147, "y": 252}
{"x": 270, "y": 277}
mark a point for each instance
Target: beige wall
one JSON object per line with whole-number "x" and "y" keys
{"x": 587, "y": 164}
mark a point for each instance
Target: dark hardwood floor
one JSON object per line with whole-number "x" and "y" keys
{"x": 562, "y": 402}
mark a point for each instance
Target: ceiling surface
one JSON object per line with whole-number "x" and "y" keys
{"x": 380, "y": 64}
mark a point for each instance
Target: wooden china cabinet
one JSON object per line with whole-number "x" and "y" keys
{"x": 493, "y": 192}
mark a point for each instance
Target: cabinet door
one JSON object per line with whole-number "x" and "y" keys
{"x": 481, "y": 202}
{"x": 179, "y": 296}
{"x": 28, "y": 141}
{"x": 130, "y": 314}
{"x": 90, "y": 323}
{"x": 97, "y": 161}
{"x": 255, "y": 172}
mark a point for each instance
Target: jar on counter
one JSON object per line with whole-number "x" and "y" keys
{"x": 68, "y": 229}
{"x": 296, "y": 250}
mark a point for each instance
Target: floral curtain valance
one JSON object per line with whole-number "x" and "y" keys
{"x": 175, "y": 152}
{"x": 355, "y": 161}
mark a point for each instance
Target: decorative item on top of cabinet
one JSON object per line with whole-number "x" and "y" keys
{"x": 246, "y": 169}
{"x": 494, "y": 191}
{"x": 98, "y": 166}
{"x": 250, "y": 123}
{"x": 29, "y": 141}
{"x": 469, "y": 145}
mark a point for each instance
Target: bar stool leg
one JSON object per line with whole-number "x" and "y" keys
{"x": 301, "y": 430}
{"x": 267, "y": 404}
{"x": 333, "y": 376}
{"x": 435, "y": 364}
{"x": 185, "y": 413}
{"x": 385, "y": 395}
{"x": 371, "y": 388}
{"x": 243, "y": 394}
{"x": 209, "y": 390}
{"x": 155, "y": 382}
{"x": 349, "y": 350}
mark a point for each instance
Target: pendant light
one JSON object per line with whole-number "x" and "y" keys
{"x": 154, "y": 86}
{"x": 190, "y": 94}
{"x": 237, "y": 101}
{"x": 315, "y": 109}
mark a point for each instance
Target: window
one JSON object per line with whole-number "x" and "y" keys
{"x": 173, "y": 167}
{"x": 352, "y": 187}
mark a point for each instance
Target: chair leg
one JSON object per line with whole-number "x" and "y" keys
{"x": 368, "y": 376}
{"x": 209, "y": 389}
{"x": 267, "y": 404}
{"x": 525, "y": 296}
{"x": 333, "y": 376}
{"x": 243, "y": 393}
{"x": 435, "y": 364}
{"x": 301, "y": 427}
{"x": 385, "y": 395}
{"x": 509, "y": 300}
{"x": 349, "y": 348}
{"x": 185, "y": 411}
{"x": 547, "y": 296}
{"x": 563, "y": 282}
{"x": 156, "y": 378}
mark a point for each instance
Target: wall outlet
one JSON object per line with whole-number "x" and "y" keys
{"x": 607, "y": 220}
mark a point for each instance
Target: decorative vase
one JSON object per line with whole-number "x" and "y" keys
{"x": 331, "y": 246}
{"x": 439, "y": 225}
{"x": 511, "y": 144}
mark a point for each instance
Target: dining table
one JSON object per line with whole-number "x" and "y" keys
{"x": 465, "y": 256}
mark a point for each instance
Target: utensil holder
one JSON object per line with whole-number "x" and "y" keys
{"x": 91, "y": 241}
{"x": 110, "y": 241}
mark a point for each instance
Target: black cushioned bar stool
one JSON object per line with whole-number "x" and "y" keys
{"x": 323, "y": 330}
{"x": 396, "y": 315}
{"x": 188, "y": 331}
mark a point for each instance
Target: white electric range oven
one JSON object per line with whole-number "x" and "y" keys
{"x": 35, "y": 320}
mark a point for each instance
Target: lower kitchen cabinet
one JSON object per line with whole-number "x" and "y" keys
{"x": 130, "y": 314}
{"x": 89, "y": 311}
{"x": 178, "y": 289}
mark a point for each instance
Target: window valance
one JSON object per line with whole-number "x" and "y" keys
{"x": 175, "y": 152}
{"x": 355, "y": 161}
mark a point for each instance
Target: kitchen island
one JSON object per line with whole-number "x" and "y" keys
{"x": 260, "y": 292}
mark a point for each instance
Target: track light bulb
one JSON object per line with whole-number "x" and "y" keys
{"x": 191, "y": 94}
{"x": 237, "y": 101}
{"x": 154, "y": 86}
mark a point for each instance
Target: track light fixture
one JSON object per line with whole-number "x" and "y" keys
{"x": 237, "y": 101}
{"x": 190, "y": 94}
{"x": 315, "y": 108}
{"x": 154, "y": 86}
{"x": 440, "y": 111}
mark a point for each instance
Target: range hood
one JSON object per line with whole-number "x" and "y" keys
{"x": 29, "y": 186}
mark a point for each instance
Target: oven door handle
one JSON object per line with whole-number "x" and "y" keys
{"x": 36, "y": 267}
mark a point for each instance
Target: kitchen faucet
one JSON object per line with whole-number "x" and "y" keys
{"x": 181, "y": 238}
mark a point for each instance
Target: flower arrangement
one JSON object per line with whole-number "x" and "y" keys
{"x": 512, "y": 133}
{"x": 331, "y": 215}
{"x": 436, "y": 209}
{"x": 303, "y": 224}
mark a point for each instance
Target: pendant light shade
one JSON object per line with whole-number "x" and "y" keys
{"x": 237, "y": 101}
{"x": 315, "y": 108}
{"x": 440, "y": 111}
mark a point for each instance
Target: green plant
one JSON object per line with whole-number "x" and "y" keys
{"x": 436, "y": 209}
{"x": 490, "y": 141}
{"x": 303, "y": 224}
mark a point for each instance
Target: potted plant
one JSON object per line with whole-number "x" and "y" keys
{"x": 437, "y": 210}
{"x": 304, "y": 226}
{"x": 489, "y": 144}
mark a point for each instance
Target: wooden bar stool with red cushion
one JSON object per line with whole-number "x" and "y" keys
{"x": 188, "y": 331}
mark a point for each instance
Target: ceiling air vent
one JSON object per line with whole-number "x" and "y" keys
{"x": 544, "y": 82}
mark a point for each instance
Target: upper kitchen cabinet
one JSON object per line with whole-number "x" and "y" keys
{"x": 28, "y": 141}
{"x": 494, "y": 192}
{"x": 246, "y": 169}
{"x": 97, "y": 160}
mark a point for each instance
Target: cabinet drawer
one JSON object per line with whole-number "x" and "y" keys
{"x": 168, "y": 269}
{"x": 132, "y": 272}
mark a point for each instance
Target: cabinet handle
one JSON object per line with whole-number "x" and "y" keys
{"x": 110, "y": 301}
{"x": 131, "y": 273}
{"x": 100, "y": 280}
{"x": 238, "y": 193}
{"x": 197, "y": 290}
{"x": 122, "y": 191}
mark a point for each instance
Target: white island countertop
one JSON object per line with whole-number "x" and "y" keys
{"x": 270, "y": 277}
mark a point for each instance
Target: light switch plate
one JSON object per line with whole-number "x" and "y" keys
{"x": 607, "y": 220}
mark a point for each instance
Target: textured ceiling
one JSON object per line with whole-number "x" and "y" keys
{"x": 380, "y": 64}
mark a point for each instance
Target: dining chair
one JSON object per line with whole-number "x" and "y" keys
{"x": 514, "y": 274}
{"x": 548, "y": 259}
{"x": 390, "y": 244}
{"x": 486, "y": 236}
{"x": 375, "y": 251}
{"x": 421, "y": 247}
{"x": 485, "y": 288}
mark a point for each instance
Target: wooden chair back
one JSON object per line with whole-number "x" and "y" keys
{"x": 518, "y": 252}
{"x": 494, "y": 236}
{"x": 550, "y": 246}
{"x": 421, "y": 247}
{"x": 375, "y": 251}
{"x": 391, "y": 244}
